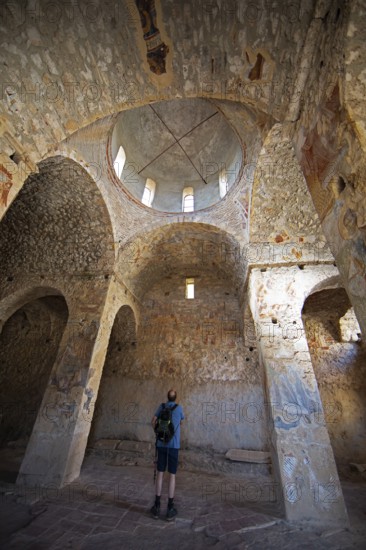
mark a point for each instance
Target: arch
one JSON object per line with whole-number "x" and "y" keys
{"x": 328, "y": 282}
{"x": 339, "y": 365}
{"x": 189, "y": 247}
{"x": 68, "y": 228}
{"x": 347, "y": 321}
{"x": 174, "y": 344}
{"x": 11, "y": 303}
{"x": 110, "y": 409}
{"x": 320, "y": 300}
{"x": 29, "y": 343}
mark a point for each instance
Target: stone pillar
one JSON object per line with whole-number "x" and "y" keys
{"x": 305, "y": 470}
{"x": 57, "y": 445}
{"x": 54, "y": 453}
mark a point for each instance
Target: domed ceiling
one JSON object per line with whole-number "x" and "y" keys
{"x": 178, "y": 144}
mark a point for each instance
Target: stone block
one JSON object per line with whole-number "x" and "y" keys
{"x": 110, "y": 444}
{"x": 134, "y": 446}
{"x": 242, "y": 455}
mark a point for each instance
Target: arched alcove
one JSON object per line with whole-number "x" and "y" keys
{"x": 57, "y": 234}
{"x": 185, "y": 248}
{"x": 115, "y": 411}
{"x": 29, "y": 343}
{"x": 198, "y": 343}
{"x": 340, "y": 370}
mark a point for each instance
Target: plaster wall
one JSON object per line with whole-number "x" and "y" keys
{"x": 196, "y": 346}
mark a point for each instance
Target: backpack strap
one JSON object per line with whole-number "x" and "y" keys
{"x": 170, "y": 408}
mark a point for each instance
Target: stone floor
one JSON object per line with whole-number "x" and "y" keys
{"x": 107, "y": 508}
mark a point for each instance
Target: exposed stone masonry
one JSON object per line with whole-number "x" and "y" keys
{"x": 98, "y": 278}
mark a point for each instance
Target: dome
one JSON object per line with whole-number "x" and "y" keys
{"x": 179, "y": 145}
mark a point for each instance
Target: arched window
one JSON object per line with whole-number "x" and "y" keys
{"x": 222, "y": 183}
{"x": 119, "y": 161}
{"x": 149, "y": 192}
{"x": 188, "y": 200}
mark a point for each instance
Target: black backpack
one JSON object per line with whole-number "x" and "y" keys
{"x": 164, "y": 428}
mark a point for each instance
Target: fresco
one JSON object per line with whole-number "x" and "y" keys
{"x": 156, "y": 49}
{"x": 5, "y": 185}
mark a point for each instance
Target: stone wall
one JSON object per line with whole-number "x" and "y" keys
{"x": 85, "y": 61}
{"x": 184, "y": 247}
{"x": 57, "y": 234}
{"x": 53, "y": 228}
{"x": 282, "y": 210}
{"x": 330, "y": 139}
{"x": 196, "y": 346}
{"x": 355, "y": 81}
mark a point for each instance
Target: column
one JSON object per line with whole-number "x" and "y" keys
{"x": 57, "y": 445}
{"x": 304, "y": 465}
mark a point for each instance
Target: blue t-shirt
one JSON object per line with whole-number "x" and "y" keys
{"x": 177, "y": 416}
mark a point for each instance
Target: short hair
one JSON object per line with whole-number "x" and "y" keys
{"x": 172, "y": 395}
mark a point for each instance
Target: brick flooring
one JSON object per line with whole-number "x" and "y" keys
{"x": 107, "y": 508}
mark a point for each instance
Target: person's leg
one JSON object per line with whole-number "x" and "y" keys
{"x": 159, "y": 483}
{"x": 172, "y": 469}
{"x": 171, "y": 486}
{"x": 161, "y": 466}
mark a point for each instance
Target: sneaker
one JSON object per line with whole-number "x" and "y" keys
{"x": 155, "y": 510}
{"x": 171, "y": 513}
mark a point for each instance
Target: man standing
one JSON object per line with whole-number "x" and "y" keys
{"x": 168, "y": 456}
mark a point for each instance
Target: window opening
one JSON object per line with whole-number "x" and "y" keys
{"x": 190, "y": 289}
{"x": 149, "y": 192}
{"x": 223, "y": 183}
{"x": 119, "y": 161}
{"x": 188, "y": 200}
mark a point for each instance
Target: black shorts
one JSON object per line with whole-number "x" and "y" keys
{"x": 167, "y": 457}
